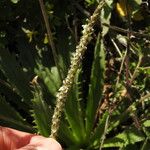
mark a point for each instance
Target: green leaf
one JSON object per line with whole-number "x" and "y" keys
{"x": 120, "y": 115}
{"x": 50, "y": 77}
{"x": 65, "y": 133}
{"x": 12, "y": 96}
{"x": 106, "y": 15}
{"x": 41, "y": 112}
{"x": 96, "y": 85}
{"x": 129, "y": 136}
{"x": 138, "y": 1}
{"x": 13, "y": 71}
{"x": 73, "y": 112}
{"x": 15, "y": 1}
{"x": 10, "y": 117}
{"x": 90, "y": 2}
{"x": 147, "y": 132}
{"x": 99, "y": 131}
{"x": 146, "y": 123}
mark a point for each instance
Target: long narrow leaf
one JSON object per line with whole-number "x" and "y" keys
{"x": 74, "y": 113}
{"x": 96, "y": 85}
{"x": 41, "y": 112}
{"x": 15, "y": 74}
{"x": 99, "y": 131}
{"x": 11, "y": 118}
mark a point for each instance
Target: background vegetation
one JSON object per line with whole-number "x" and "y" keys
{"x": 108, "y": 106}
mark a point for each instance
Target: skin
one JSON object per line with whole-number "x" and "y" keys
{"x": 11, "y": 139}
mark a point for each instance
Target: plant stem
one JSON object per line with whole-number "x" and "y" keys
{"x": 145, "y": 97}
{"x": 105, "y": 132}
{"x": 136, "y": 69}
{"x": 50, "y": 37}
{"x": 81, "y": 9}
{"x": 144, "y": 144}
{"x": 120, "y": 70}
{"x": 128, "y": 42}
{"x": 118, "y": 29}
{"x": 115, "y": 45}
{"x": 75, "y": 64}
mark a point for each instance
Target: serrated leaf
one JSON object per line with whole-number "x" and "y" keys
{"x": 50, "y": 77}
{"x": 96, "y": 84}
{"x": 13, "y": 71}
{"x": 10, "y": 117}
{"x": 41, "y": 112}
{"x": 65, "y": 132}
{"x": 73, "y": 112}
{"x": 99, "y": 131}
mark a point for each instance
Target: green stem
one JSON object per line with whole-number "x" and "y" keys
{"x": 136, "y": 69}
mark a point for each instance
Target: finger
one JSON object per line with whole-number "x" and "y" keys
{"x": 11, "y": 138}
{"x": 41, "y": 143}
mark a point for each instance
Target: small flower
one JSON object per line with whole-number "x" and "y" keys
{"x": 75, "y": 64}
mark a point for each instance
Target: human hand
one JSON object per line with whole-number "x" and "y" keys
{"x": 11, "y": 139}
